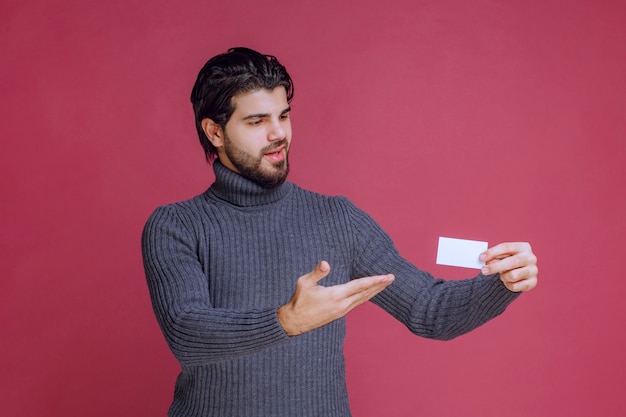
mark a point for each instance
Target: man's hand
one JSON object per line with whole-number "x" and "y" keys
{"x": 516, "y": 263}
{"x": 313, "y": 306}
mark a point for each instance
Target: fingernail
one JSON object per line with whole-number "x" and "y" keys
{"x": 484, "y": 270}
{"x": 482, "y": 257}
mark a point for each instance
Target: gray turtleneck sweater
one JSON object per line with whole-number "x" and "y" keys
{"x": 219, "y": 265}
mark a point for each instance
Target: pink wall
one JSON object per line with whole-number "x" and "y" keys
{"x": 488, "y": 120}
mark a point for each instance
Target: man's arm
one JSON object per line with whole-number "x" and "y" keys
{"x": 196, "y": 331}
{"x": 436, "y": 308}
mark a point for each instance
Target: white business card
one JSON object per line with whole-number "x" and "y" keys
{"x": 460, "y": 252}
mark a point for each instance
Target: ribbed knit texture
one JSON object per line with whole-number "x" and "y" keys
{"x": 219, "y": 265}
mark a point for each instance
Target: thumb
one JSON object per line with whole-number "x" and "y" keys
{"x": 320, "y": 271}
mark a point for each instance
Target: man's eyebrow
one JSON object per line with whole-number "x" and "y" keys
{"x": 256, "y": 116}
{"x": 262, "y": 115}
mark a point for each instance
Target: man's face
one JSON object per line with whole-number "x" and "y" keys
{"x": 256, "y": 139}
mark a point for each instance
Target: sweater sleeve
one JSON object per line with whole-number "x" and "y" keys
{"x": 196, "y": 332}
{"x": 428, "y": 307}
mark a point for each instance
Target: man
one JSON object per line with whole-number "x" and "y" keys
{"x": 251, "y": 280}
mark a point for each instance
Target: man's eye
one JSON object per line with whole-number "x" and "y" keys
{"x": 284, "y": 116}
{"x": 254, "y": 122}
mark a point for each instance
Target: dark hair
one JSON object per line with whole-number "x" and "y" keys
{"x": 240, "y": 70}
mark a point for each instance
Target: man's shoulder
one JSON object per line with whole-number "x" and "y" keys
{"x": 313, "y": 197}
{"x": 183, "y": 207}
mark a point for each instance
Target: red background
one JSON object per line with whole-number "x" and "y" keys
{"x": 488, "y": 120}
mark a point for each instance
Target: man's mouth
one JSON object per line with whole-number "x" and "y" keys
{"x": 276, "y": 154}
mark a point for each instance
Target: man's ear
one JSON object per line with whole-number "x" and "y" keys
{"x": 213, "y": 132}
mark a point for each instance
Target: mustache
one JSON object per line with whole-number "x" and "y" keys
{"x": 273, "y": 146}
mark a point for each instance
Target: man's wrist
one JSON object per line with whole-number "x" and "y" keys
{"x": 282, "y": 315}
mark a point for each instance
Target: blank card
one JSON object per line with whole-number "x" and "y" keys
{"x": 460, "y": 252}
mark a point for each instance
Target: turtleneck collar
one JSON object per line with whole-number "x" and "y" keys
{"x": 240, "y": 191}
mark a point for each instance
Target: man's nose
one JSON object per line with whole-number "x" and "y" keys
{"x": 277, "y": 131}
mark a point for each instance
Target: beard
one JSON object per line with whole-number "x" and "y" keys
{"x": 252, "y": 167}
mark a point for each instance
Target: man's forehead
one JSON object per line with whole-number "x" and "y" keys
{"x": 261, "y": 98}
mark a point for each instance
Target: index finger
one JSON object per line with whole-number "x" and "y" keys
{"x": 503, "y": 250}
{"x": 359, "y": 285}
